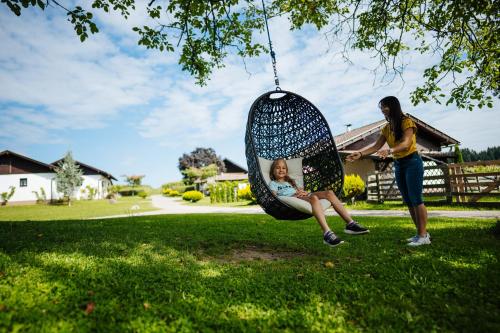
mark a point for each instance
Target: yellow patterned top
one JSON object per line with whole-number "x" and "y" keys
{"x": 391, "y": 140}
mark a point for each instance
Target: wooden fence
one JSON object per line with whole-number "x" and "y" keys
{"x": 460, "y": 183}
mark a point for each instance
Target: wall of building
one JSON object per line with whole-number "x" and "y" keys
{"x": 35, "y": 181}
{"x": 95, "y": 181}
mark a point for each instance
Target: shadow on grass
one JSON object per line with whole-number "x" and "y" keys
{"x": 164, "y": 273}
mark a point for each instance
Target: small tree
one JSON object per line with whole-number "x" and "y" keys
{"x": 134, "y": 181}
{"x": 68, "y": 176}
{"x": 458, "y": 154}
{"x": 7, "y": 195}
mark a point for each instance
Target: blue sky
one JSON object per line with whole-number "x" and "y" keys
{"x": 128, "y": 110}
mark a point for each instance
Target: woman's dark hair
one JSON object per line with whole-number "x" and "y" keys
{"x": 395, "y": 117}
{"x": 287, "y": 178}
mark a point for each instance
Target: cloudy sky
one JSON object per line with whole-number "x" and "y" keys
{"x": 128, "y": 110}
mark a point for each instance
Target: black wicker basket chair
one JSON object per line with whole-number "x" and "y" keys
{"x": 282, "y": 124}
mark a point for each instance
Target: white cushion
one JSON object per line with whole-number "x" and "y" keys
{"x": 294, "y": 170}
{"x": 302, "y": 205}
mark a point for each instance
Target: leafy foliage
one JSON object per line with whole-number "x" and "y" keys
{"x": 458, "y": 154}
{"x": 192, "y": 196}
{"x": 246, "y": 194}
{"x": 6, "y": 196}
{"x": 463, "y": 34}
{"x": 40, "y": 197}
{"x": 68, "y": 176}
{"x": 201, "y": 159}
{"x": 353, "y": 186}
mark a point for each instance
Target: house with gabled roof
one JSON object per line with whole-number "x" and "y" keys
{"x": 432, "y": 145}
{"x": 29, "y": 176}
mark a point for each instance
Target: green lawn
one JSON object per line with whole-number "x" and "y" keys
{"x": 79, "y": 209}
{"x": 224, "y": 273}
{"x": 398, "y": 205}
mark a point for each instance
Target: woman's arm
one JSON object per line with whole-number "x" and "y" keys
{"x": 403, "y": 145}
{"x": 357, "y": 155}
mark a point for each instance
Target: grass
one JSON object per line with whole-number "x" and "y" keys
{"x": 79, "y": 209}
{"x": 398, "y": 205}
{"x": 193, "y": 273}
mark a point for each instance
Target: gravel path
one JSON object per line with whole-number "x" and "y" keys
{"x": 169, "y": 205}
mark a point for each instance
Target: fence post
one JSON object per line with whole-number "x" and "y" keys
{"x": 447, "y": 184}
{"x": 378, "y": 187}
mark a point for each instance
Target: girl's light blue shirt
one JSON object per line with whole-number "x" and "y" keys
{"x": 282, "y": 188}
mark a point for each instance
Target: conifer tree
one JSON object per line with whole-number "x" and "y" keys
{"x": 68, "y": 176}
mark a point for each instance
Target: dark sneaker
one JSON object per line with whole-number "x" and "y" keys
{"x": 331, "y": 239}
{"x": 354, "y": 228}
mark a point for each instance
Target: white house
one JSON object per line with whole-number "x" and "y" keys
{"x": 29, "y": 176}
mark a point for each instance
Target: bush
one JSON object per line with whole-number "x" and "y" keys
{"x": 353, "y": 186}
{"x": 142, "y": 194}
{"x": 192, "y": 196}
{"x": 246, "y": 194}
{"x": 170, "y": 193}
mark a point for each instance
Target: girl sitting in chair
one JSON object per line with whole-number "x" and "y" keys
{"x": 282, "y": 185}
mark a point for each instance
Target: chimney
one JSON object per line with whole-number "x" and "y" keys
{"x": 348, "y": 127}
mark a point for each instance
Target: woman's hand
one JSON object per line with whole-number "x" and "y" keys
{"x": 354, "y": 156}
{"x": 383, "y": 153}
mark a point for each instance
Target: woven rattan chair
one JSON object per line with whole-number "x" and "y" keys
{"x": 282, "y": 124}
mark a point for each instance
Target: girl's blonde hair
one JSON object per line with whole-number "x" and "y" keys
{"x": 287, "y": 177}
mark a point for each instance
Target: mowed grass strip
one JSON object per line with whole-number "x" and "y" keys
{"x": 79, "y": 209}
{"x": 246, "y": 273}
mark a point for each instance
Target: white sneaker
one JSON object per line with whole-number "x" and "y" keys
{"x": 412, "y": 239}
{"x": 415, "y": 238}
{"x": 421, "y": 241}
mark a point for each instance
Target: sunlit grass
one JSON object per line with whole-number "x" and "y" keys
{"x": 79, "y": 209}
{"x": 175, "y": 273}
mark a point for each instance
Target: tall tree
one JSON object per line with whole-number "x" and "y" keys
{"x": 463, "y": 34}
{"x": 68, "y": 176}
{"x": 201, "y": 158}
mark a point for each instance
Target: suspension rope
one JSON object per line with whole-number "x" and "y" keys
{"x": 273, "y": 55}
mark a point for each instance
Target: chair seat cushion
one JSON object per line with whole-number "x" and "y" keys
{"x": 302, "y": 205}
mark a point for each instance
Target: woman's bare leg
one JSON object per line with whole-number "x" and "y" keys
{"x": 421, "y": 217}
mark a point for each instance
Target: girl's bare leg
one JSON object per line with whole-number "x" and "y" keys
{"x": 317, "y": 211}
{"x": 336, "y": 204}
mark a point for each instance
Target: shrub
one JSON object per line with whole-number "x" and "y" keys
{"x": 170, "y": 193}
{"x": 7, "y": 195}
{"x": 353, "y": 186}
{"x": 142, "y": 194}
{"x": 40, "y": 197}
{"x": 192, "y": 196}
{"x": 246, "y": 194}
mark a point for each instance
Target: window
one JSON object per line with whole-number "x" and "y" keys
{"x": 23, "y": 182}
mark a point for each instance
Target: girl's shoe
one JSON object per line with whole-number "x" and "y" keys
{"x": 354, "y": 228}
{"x": 331, "y": 239}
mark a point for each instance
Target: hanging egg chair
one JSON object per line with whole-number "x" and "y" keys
{"x": 282, "y": 124}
